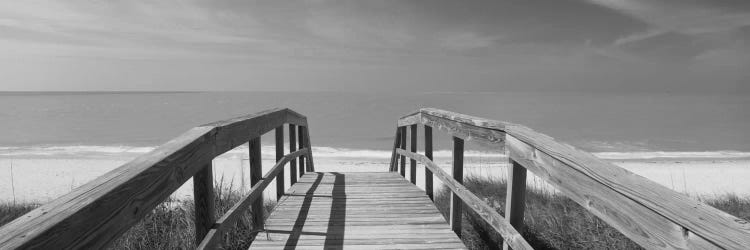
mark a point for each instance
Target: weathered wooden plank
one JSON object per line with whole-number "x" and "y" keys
{"x": 362, "y": 217}
{"x": 256, "y": 171}
{"x": 305, "y": 241}
{"x": 292, "y": 148}
{"x": 311, "y": 163}
{"x": 95, "y": 213}
{"x": 230, "y": 217}
{"x": 487, "y": 213}
{"x": 396, "y": 141}
{"x": 237, "y": 131}
{"x": 394, "y": 246}
{"x": 428, "y": 153}
{"x": 302, "y": 144}
{"x": 466, "y": 119}
{"x": 203, "y": 198}
{"x": 279, "y": 136}
{"x": 295, "y": 118}
{"x": 639, "y": 223}
{"x": 469, "y": 128}
{"x": 359, "y": 230}
{"x": 699, "y": 218}
{"x": 456, "y": 213}
{"x": 409, "y": 120}
{"x": 402, "y": 169}
{"x": 383, "y": 236}
{"x": 515, "y": 198}
{"x": 413, "y": 146}
{"x": 704, "y": 223}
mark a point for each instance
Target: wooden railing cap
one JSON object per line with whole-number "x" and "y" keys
{"x": 93, "y": 214}
{"x": 458, "y": 117}
{"x": 626, "y": 193}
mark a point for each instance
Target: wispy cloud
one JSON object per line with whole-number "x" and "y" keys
{"x": 684, "y": 17}
{"x": 526, "y": 43}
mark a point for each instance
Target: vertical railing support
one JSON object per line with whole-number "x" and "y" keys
{"x": 428, "y": 154}
{"x": 279, "y": 134}
{"x": 515, "y": 198}
{"x": 292, "y": 148}
{"x": 402, "y": 145}
{"x": 301, "y": 141}
{"x": 203, "y": 195}
{"x": 413, "y": 146}
{"x": 394, "y": 156}
{"x": 310, "y": 162}
{"x": 256, "y": 173}
{"x": 458, "y": 175}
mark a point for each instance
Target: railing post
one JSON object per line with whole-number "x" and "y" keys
{"x": 301, "y": 141}
{"x": 203, "y": 197}
{"x": 458, "y": 175}
{"x": 515, "y": 198}
{"x": 394, "y": 156}
{"x": 256, "y": 173}
{"x": 292, "y": 148}
{"x": 428, "y": 153}
{"x": 310, "y": 162}
{"x": 413, "y": 146}
{"x": 279, "y": 134}
{"x": 402, "y": 145}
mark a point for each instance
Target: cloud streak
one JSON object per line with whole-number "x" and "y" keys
{"x": 482, "y": 44}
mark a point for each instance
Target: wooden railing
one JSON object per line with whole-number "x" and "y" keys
{"x": 95, "y": 214}
{"x": 652, "y": 215}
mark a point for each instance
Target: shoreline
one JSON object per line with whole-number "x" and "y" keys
{"x": 700, "y": 174}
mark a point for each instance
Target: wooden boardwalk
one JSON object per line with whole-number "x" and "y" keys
{"x": 368, "y": 210}
{"x": 373, "y": 210}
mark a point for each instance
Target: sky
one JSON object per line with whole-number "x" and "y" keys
{"x": 375, "y": 45}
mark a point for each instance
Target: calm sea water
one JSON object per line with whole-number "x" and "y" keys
{"x": 592, "y": 121}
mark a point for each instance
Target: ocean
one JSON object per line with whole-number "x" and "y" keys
{"x": 693, "y": 143}
{"x": 598, "y": 122}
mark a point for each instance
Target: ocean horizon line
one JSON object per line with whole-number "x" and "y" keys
{"x": 338, "y": 152}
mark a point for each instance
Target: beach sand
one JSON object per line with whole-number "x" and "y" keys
{"x": 40, "y": 178}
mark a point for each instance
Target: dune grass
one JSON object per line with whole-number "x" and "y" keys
{"x": 170, "y": 225}
{"x": 551, "y": 221}
{"x": 555, "y": 222}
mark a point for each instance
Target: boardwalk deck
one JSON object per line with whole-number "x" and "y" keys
{"x": 378, "y": 210}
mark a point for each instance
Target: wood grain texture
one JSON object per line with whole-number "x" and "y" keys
{"x": 295, "y": 118}
{"x": 95, "y": 213}
{"x": 515, "y": 198}
{"x": 402, "y": 145}
{"x": 413, "y": 146}
{"x": 310, "y": 161}
{"x": 465, "y": 127}
{"x": 279, "y": 136}
{"x": 457, "y": 171}
{"x": 428, "y": 153}
{"x": 203, "y": 199}
{"x": 487, "y": 213}
{"x": 396, "y": 141}
{"x": 602, "y": 189}
{"x": 377, "y": 210}
{"x": 302, "y": 144}
{"x": 292, "y": 148}
{"x": 256, "y": 171}
{"x": 238, "y": 131}
{"x": 229, "y": 218}
{"x": 670, "y": 214}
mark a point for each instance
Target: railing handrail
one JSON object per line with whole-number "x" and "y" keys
{"x": 94, "y": 214}
{"x": 487, "y": 213}
{"x": 648, "y": 213}
{"x": 227, "y": 220}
